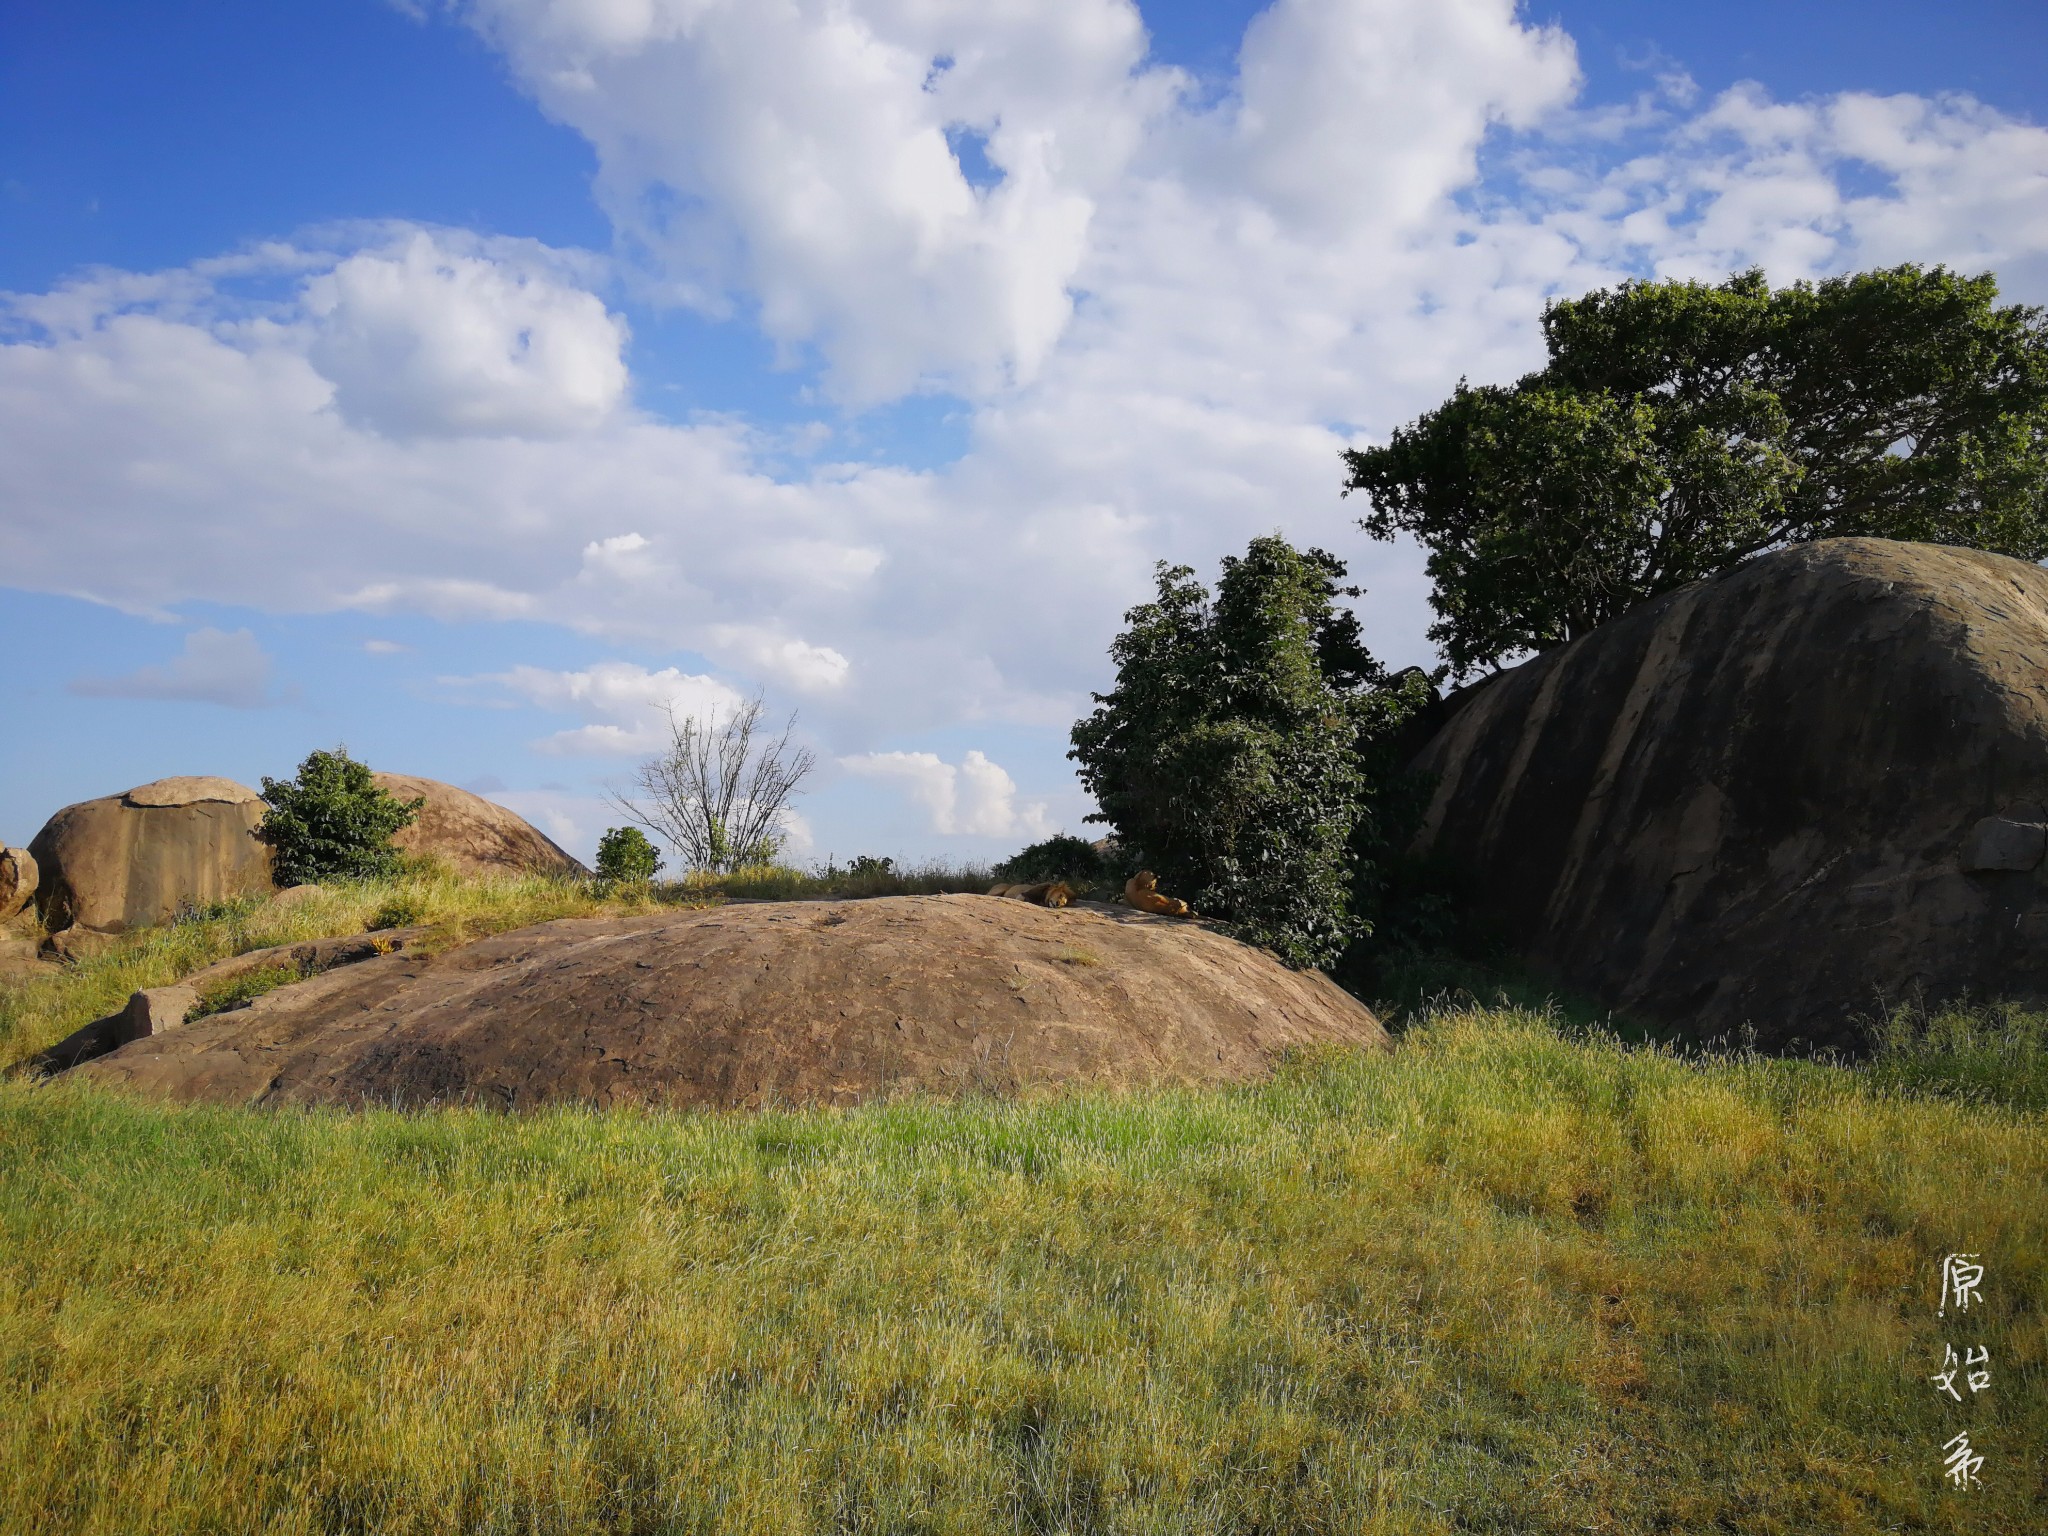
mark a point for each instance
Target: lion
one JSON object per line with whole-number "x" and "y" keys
{"x": 1142, "y": 891}
{"x": 1048, "y": 893}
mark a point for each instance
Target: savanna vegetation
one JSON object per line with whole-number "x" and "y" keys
{"x": 1511, "y": 1278}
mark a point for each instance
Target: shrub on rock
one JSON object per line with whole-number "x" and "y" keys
{"x": 333, "y": 821}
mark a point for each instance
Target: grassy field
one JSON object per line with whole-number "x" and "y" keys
{"x": 1514, "y": 1277}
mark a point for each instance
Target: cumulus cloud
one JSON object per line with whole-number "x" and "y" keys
{"x": 428, "y": 340}
{"x": 1166, "y": 313}
{"x": 974, "y": 797}
{"x": 804, "y": 160}
{"x": 213, "y": 667}
{"x": 626, "y": 706}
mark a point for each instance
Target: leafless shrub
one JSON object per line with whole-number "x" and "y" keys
{"x": 717, "y": 793}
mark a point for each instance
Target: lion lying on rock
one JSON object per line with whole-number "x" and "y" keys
{"x": 1142, "y": 891}
{"x": 1047, "y": 893}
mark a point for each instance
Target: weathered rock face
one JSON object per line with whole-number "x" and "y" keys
{"x": 471, "y": 834}
{"x": 18, "y": 879}
{"x": 797, "y": 1002}
{"x": 1769, "y": 797}
{"x": 125, "y": 861}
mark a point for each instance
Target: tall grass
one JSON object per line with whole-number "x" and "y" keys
{"x": 1992, "y": 1052}
{"x": 1498, "y": 1281}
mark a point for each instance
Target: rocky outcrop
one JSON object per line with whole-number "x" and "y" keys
{"x": 796, "y": 1002}
{"x": 472, "y": 835}
{"x": 1769, "y": 798}
{"x": 129, "y": 860}
{"x": 18, "y": 880}
{"x": 154, "y": 1010}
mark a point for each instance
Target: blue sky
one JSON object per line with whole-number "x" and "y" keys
{"x": 462, "y": 381}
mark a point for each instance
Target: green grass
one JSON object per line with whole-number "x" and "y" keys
{"x": 1499, "y": 1281}
{"x": 1517, "y": 1276}
{"x": 1994, "y": 1053}
{"x": 240, "y": 991}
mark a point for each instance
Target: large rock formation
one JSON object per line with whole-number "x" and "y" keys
{"x": 1768, "y": 798}
{"x": 797, "y": 1002}
{"x": 472, "y": 835}
{"x": 129, "y": 860}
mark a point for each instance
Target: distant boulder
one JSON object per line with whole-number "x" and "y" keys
{"x": 1767, "y": 798}
{"x": 472, "y": 835}
{"x": 18, "y": 879}
{"x": 130, "y": 860}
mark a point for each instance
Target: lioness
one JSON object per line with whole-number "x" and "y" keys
{"x": 1142, "y": 891}
{"x": 1048, "y": 893}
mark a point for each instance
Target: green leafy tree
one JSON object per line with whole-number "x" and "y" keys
{"x": 626, "y": 857}
{"x": 332, "y": 821}
{"x": 1681, "y": 428}
{"x": 1234, "y": 755}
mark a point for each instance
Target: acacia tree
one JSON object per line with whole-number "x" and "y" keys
{"x": 1681, "y": 428}
{"x": 717, "y": 793}
{"x": 1228, "y": 757}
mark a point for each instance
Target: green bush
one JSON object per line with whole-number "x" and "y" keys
{"x": 626, "y": 857}
{"x": 332, "y": 822}
{"x": 1062, "y": 857}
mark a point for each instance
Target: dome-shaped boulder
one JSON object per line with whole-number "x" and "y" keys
{"x": 472, "y": 835}
{"x": 776, "y": 1002}
{"x": 1771, "y": 798}
{"x": 129, "y": 860}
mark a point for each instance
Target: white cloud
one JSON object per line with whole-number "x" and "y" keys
{"x": 385, "y": 647}
{"x": 1380, "y": 203}
{"x": 795, "y": 158}
{"x": 627, "y": 706}
{"x": 974, "y": 797}
{"x": 213, "y": 667}
{"x": 424, "y": 339}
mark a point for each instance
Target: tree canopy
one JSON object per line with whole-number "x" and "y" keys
{"x": 1680, "y": 428}
{"x": 1227, "y": 757}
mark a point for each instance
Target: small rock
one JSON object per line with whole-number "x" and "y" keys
{"x": 1999, "y": 843}
{"x": 156, "y": 1009}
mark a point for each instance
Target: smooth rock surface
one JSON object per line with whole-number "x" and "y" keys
{"x": 744, "y": 1005}
{"x": 128, "y": 860}
{"x": 191, "y": 789}
{"x": 472, "y": 835}
{"x": 1770, "y": 798}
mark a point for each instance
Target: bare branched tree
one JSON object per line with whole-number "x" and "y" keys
{"x": 717, "y": 794}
